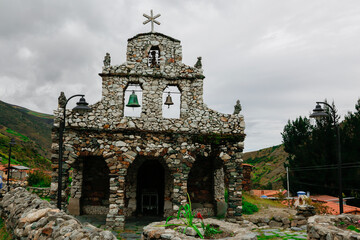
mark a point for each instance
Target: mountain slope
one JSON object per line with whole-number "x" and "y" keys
{"x": 268, "y": 168}
{"x": 32, "y": 132}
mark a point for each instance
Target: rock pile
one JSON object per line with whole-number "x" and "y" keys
{"x": 305, "y": 210}
{"x": 29, "y": 217}
{"x": 153, "y": 231}
{"x": 326, "y": 227}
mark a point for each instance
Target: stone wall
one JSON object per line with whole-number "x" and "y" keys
{"x": 41, "y": 192}
{"x": 295, "y": 222}
{"x": 246, "y": 183}
{"x": 28, "y": 217}
{"x": 330, "y": 227}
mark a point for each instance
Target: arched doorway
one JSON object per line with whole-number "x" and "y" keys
{"x": 95, "y": 186}
{"x": 200, "y": 183}
{"x": 150, "y": 188}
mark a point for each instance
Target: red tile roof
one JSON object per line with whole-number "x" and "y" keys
{"x": 333, "y": 204}
{"x": 268, "y": 193}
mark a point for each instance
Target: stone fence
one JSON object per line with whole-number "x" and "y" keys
{"x": 41, "y": 192}
{"x": 28, "y": 217}
{"x": 297, "y": 222}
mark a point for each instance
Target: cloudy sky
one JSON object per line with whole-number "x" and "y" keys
{"x": 277, "y": 56}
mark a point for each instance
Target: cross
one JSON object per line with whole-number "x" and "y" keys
{"x": 151, "y": 19}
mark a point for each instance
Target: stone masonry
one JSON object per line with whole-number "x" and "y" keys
{"x": 122, "y": 148}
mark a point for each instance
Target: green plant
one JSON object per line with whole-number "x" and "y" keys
{"x": 39, "y": 179}
{"x": 209, "y": 230}
{"x": 186, "y": 216}
{"x": 4, "y": 235}
{"x": 226, "y": 195}
{"x": 353, "y": 228}
{"x": 249, "y": 208}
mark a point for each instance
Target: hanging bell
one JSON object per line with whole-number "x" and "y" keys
{"x": 133, "y": 100}
{"x": 169, "y": 101}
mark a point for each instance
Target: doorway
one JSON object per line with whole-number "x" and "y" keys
{"x": 95, "y": 186}
{"x": 150, "y": 188}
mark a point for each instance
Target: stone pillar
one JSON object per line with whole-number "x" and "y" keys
{"x": 231, "y": 155}
{"x": 179, "y": 165}
{"x": 115, "y": 219}
{"x": 219, "y": 192}
{"x": 219, "y": 185}
{"x": 74, "y": 206}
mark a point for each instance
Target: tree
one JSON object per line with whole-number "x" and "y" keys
{"x": 310, "y": 147}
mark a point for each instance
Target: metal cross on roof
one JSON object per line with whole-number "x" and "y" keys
{"x": 151, "y": 19}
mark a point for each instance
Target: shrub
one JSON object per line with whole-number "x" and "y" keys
{"x": 249, "y": 208}
{"x": 39, "y": 179}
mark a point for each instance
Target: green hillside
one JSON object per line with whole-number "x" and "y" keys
{"x": 32, "y": 133}
{"x": 268, "y": 168}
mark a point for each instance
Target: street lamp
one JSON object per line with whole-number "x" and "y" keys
{"x": 81, "y": 106}
{"x": 11, "y": 143}
{"x": 318, "y": 113}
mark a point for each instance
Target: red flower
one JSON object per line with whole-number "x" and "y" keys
{"x": 198, "y": 215}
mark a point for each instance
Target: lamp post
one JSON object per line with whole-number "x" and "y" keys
{"x": 81, "y": 106}
{"x": 318, "y": 113}
{"x": 11, "y": 143}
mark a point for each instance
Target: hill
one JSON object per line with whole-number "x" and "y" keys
{"x": 268, "y": 168}
{"x": 32, "y": 133}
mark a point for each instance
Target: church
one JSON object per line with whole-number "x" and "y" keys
{"x": 121, "y": 166}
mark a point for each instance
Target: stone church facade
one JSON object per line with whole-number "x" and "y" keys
{"x": 124, "y": 166}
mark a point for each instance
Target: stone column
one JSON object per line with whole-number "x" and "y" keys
{"x": 115, "y": 219}
{"x": 74, "y": 207}
{"x": 231, "y": 155}
{"x": 219, "y": 192}
{"x": 179, "y": 165}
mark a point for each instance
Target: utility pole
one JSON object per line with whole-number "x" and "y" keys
{"x": 288, "y": 182}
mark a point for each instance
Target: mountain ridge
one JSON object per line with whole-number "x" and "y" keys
{"x": 269, "y": 170}
{"x": 32, "y": 133}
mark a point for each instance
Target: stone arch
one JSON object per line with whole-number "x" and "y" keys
{"x": 155, "y": 46}
{"x": 132, "y": 88}
{"x": 154, "y": 57}
{"x": 90, "y": 186}
{"x": 174, "y": 92}
{"x": 136, "y": 191}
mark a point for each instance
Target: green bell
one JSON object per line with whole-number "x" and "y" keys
{"x": 133, "y": 100}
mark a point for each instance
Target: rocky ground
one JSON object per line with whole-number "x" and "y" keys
{"x": 134, "y": 226}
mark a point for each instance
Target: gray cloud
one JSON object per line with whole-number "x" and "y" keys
{"x": 277, "y": 57}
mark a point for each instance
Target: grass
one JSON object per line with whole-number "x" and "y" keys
{"x": 22, "y": 137}
{"x": 261, "y": 202}
{"x": 46, "y": 198}
{"x": 278, "y": 236}
{"x": 4, "y": 235}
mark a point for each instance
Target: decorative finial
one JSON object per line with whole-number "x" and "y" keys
{"x": 237, "y": 107}
{"x": 151, "y": 19}
{"x": 198, "y": 63}
{"x": 61, "y": 100}
{"x": 107, "y": 60}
